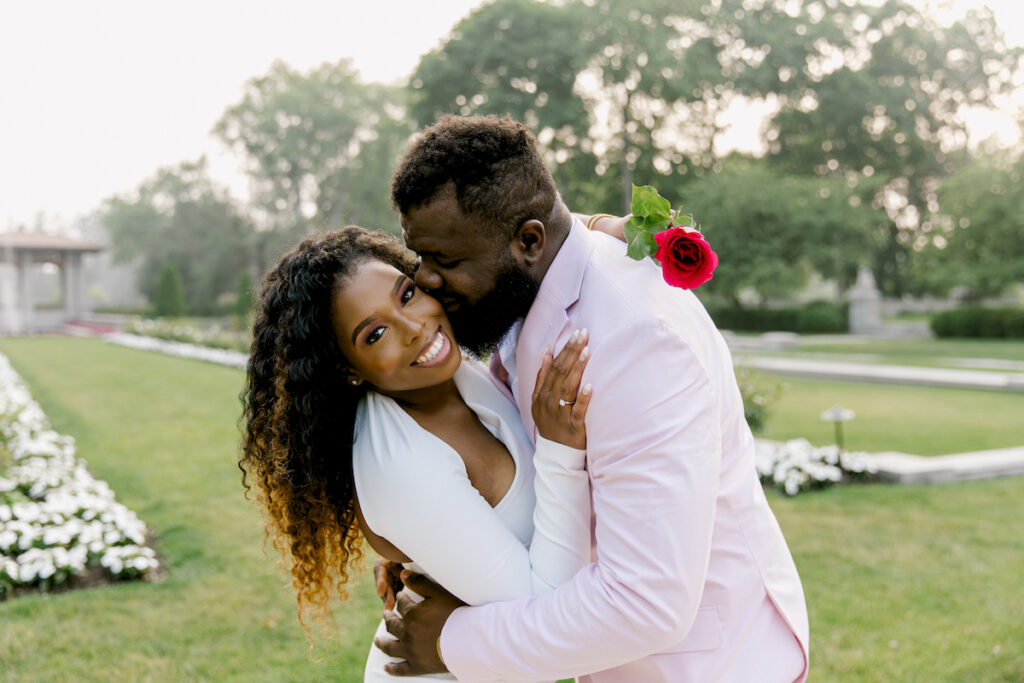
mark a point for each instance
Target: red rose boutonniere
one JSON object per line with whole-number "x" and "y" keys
{"x": 671, "y": 239}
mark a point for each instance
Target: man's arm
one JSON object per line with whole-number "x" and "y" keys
{"x": 654, "y": 457}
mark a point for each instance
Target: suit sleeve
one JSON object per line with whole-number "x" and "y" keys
{"x": 654, "y": 455}
{"x": 430, "y": 511}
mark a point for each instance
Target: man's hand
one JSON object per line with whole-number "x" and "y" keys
{"x": 418, "y": 629}
{"x": 389, "y": 581}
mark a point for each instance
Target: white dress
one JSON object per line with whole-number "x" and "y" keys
{"x": 414, "y": 491}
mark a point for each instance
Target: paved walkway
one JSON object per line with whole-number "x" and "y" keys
{"x": 903, "y": 468}
{"x": 894, "y": 374}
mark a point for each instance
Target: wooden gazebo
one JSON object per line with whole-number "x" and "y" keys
{"x": 18, "y": 311}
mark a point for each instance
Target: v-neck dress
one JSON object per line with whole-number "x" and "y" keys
{"x": 414, "y": 491}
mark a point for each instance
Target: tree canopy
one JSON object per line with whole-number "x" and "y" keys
{"x": 318, "y": 146}
{"x": 863, "y": 157}
{"x": 181, "y": 219}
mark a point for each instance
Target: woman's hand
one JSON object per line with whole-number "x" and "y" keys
{"x": 387, "y": 574}
{"x": 559, "y": 405}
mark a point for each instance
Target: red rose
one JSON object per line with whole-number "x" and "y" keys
{"x": 686, "y": 258}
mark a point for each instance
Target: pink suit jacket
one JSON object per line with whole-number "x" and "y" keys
{"x": 691, "y": 578}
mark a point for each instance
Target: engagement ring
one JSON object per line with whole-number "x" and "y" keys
{"x": 563, "y": 402}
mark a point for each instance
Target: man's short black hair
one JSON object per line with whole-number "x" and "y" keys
{"x": 493, "y": 165}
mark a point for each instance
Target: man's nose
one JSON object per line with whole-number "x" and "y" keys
{"x": 427, "y": 278}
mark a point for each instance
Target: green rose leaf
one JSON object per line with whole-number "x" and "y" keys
{"x": 655, "y": 224}
{"x": 686, "y": 221}
{"x": 632, "y": 231}
{"x": 647, "y": 202}
{"x": 641, "y": 246}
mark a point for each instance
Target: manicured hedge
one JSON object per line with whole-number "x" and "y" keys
{"x": 814, "y": 317}
{"x": 975, "y": 321}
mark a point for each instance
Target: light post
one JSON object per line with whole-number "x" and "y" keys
{"x": 837, "y": 415}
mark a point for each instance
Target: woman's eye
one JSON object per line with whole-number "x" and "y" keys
{"x": 408, "y": 293}
{"x": 375, "y": 334}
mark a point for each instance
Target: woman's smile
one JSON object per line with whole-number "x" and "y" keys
{"x": 436, "y": 352}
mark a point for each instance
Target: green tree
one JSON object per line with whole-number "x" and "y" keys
{"x": 169, "y": 299}
{"x": 512, "y": 57}
{"x": 886, "y": 111}
{"x": 179, "y": 216}
{"x": 783, "y": 229}
{"x": 244, "y": 298}
{"x": 977, "y": 237}
{"x": 320, "y": 147}
{"x": 640, "y": 94}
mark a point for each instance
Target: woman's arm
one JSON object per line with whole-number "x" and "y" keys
{"x": 606, "y": 223}
{"x": 561, "y": 519}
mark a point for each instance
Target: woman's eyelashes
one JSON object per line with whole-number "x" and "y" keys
{"x": 407, "y": 292}
{"x": 405, "y": 295}
{"x": 374, "y": 335}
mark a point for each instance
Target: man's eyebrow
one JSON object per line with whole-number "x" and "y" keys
{"x": 436, "y": 254}
{"x": 370, "y": 318}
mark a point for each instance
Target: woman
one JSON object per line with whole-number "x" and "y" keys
{"x": 362, "y": 419}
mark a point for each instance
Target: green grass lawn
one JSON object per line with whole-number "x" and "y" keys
{"x": 162, "y": 432}
{"x": 903, "y": 583}
{"x": 890, "y": 417}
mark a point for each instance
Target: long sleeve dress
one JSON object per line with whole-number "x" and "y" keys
{"x": 414, "y": 491}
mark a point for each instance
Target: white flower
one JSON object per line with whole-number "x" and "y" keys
{"x": 67, "y": 502}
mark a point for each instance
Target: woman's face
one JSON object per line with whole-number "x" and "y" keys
{"x": 394, "y": 335}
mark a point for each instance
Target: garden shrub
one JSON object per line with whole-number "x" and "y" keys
{"x": 812, "y": 318}
{"x": 821, "y": 317}
{"x": 975, "y": 321}
{"x": 169, "y": 300}
{"x": 758, "y": 392}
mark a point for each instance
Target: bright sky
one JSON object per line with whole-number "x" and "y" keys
{"x": 95, "y": 96}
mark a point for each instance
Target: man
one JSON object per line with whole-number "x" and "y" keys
{"x": 691, "y": 579}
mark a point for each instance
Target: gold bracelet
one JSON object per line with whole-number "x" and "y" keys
{"x": 439, "y": 655}
{"x": 595, "y": 218}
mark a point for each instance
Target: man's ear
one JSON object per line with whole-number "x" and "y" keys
{"x": 528, "y": 243}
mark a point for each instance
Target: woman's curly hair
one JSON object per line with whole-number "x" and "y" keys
{"x": 299, "y": 412}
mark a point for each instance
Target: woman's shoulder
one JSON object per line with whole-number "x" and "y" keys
{"x": 391, "y": 448}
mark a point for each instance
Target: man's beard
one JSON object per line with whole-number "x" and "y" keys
{"x": 480, "y": 326}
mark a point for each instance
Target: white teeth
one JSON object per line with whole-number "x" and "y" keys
{"x": 432, "y": 351}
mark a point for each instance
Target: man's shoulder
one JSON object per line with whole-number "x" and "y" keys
{"x": 619, "y": 283}
{"x": 619, "y": 294}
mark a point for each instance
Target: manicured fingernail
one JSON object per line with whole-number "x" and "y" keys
{"x": 585, "y": 353}
{"x": 547, "y": 350}
{"x": 587, "y": 388}
{"x": 583, "y": 333}
{"x": 405, "y": 574}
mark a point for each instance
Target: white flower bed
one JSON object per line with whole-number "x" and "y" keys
{"x": 212, "y": 334}
{"x": 235, "y": 359}
{"x": 56, "y": 519}
{"x": 796, "y": 465}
